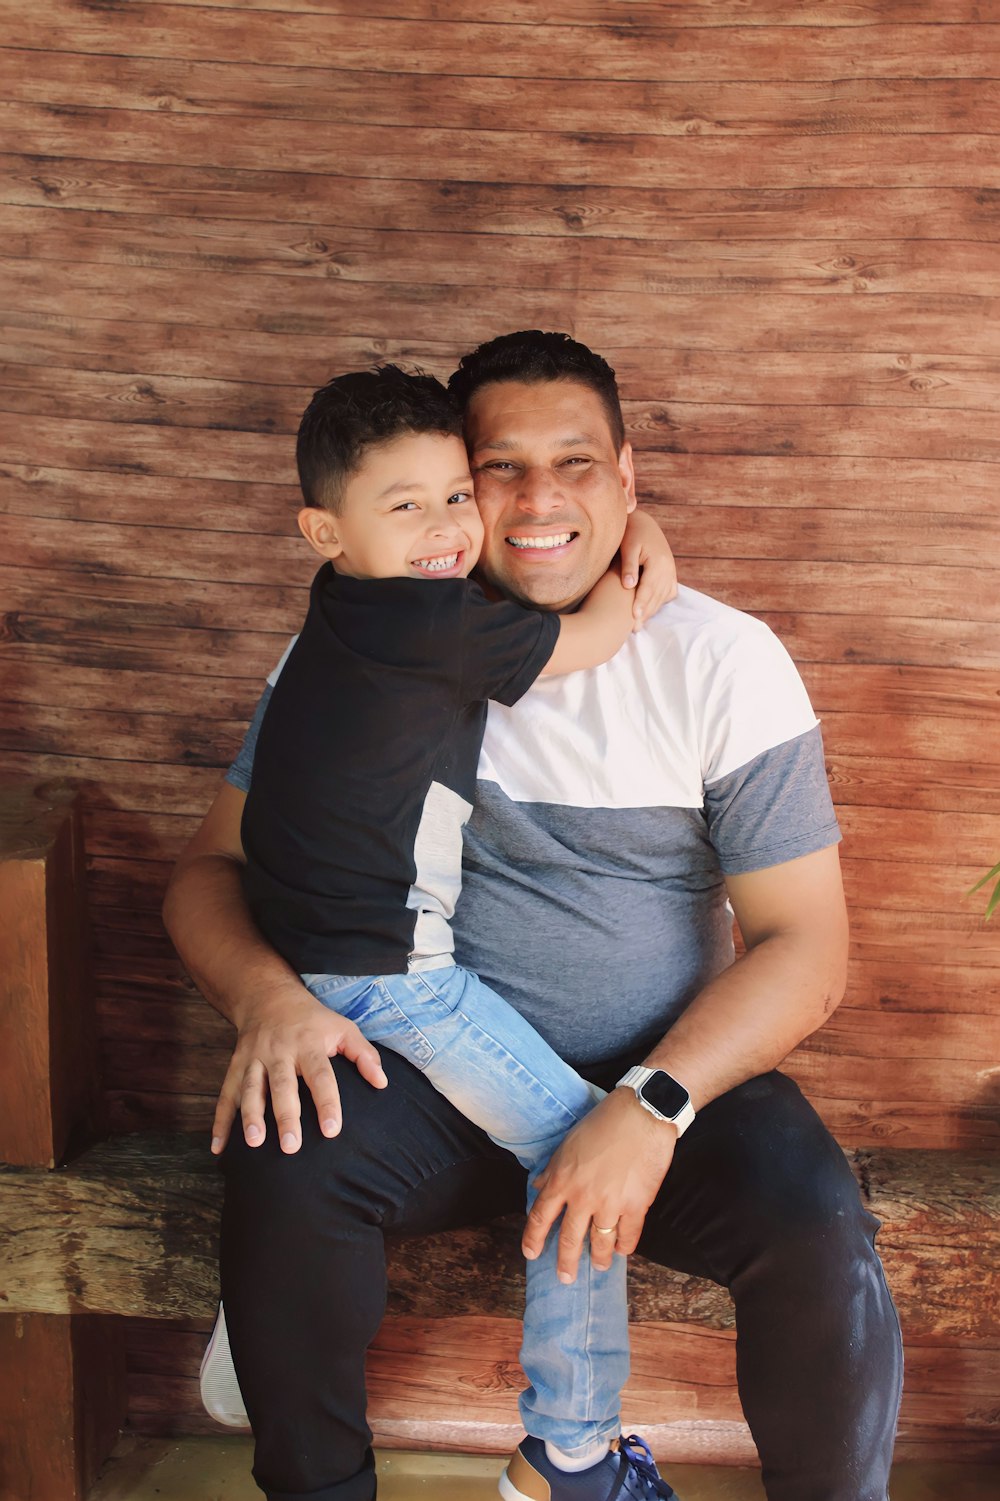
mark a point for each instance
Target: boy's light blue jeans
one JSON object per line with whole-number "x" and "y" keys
{"x": 484, "y": 1057}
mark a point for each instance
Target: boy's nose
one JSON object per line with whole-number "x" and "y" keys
{"x": 445, "y": 526}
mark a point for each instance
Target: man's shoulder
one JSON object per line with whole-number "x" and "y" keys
{"x": 693, "y": 619}
{"x": 695, "y": 637}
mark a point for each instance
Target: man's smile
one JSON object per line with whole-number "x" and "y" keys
{"x": 543, "y": 542}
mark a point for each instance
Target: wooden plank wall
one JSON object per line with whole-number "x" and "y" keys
{"x": 778, "y": 219}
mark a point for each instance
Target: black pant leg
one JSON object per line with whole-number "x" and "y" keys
{"x": 303, "y": 1266}
{"x": 761, "y": 1199}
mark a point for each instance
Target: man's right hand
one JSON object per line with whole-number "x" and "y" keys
{"x": 283, "y": 1032}
{"x": 288, "y": 1036}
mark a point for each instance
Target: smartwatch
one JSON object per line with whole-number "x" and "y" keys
{"x": 660, "y": 1094}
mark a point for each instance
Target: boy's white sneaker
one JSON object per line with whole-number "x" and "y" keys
{"x": 220, "y": 1390}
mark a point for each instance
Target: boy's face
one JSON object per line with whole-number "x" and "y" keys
{"x": 409, "y": 511}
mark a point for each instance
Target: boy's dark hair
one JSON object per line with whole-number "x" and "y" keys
{"x": 535, "y": 356}
{"x": 357, "y": 411}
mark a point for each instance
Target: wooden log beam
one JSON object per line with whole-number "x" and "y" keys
{"x": 63, "y": 1401}
{"x": 48, "y": 1072}
{"x": 131, "y": 1228}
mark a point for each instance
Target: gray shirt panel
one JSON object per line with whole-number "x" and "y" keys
{"x": 600, "y": 924}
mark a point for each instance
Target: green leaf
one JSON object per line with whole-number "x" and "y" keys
{"x": 994, "y": 901}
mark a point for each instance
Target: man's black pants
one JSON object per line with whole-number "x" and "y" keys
{"x": 759, "y": 1198}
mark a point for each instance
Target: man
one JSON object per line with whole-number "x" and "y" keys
{"x": 620, "y": 814}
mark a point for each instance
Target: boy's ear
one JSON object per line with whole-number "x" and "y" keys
{"x": 320, "y": 530}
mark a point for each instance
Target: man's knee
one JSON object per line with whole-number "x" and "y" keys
{"x": 323, "y": 1168}
{"x": 796, "y": 1191}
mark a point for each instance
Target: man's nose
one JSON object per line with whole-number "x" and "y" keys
{"x": 539, "y": 492}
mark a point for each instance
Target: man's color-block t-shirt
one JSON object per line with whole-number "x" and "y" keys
{"x": 610, "y": 806}
{"x": 365, "y": 769}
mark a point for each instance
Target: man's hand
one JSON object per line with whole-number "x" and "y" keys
{"x": 287, "y": 1036}
{"x": 606, "y": 1172}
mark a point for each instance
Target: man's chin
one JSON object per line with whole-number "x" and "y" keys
{"x": 555, "y": 583}
{"x": 539, "y": 591}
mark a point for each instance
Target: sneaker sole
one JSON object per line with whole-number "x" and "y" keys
{"x": 510, "y": 1492}
{"x": 220, "y": 1391}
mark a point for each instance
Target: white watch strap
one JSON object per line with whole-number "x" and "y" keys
{"x": 636, "y": 1077}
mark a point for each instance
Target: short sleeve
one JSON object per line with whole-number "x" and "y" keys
{"x": 241, "y": 770}
{"x": 775, "y": 808}
{"x": 752, "y": 697}
{"x": 504, "y": 647}
{"x": 767, "y": 799}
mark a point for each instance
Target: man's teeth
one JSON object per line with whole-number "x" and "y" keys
{"x": 437, "y": 565}
{"x": 552, "y": 540}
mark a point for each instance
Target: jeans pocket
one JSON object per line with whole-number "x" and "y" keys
{"x": 348, "y": 995}
{"x": 399, "y": 1030}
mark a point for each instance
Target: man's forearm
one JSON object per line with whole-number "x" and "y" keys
{"x": 207, "y": 917}
{"x": 751, "y": 1017}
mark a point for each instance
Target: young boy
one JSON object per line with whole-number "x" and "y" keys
{"x": 363, "y": 778}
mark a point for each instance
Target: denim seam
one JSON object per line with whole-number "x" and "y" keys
{"x": 521, "y": 1068}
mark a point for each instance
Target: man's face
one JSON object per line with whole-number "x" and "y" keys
{"x": 551, "y": 487}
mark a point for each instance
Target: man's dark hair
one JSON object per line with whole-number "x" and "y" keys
{"x": 533, "y": 356}
{"x": 358, "y": 411}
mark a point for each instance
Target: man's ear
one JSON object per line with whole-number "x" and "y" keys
{"x": 626, "y": 471}
{"x": 321, "y": 531}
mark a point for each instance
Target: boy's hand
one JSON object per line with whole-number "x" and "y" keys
{"x": 647, "y": 565}
{"x": 287, "y": 1036}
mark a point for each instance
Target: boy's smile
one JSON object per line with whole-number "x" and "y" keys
{"x": 408, "y": 511}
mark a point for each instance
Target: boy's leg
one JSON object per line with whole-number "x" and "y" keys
{"x": 760, "y": 1198}
{"x": 500, "y": 1073}
{"x": 303, "y": 1276}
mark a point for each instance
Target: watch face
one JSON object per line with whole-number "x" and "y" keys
{"x": 665, "y": 1094}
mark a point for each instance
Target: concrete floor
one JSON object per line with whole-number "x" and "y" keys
{"x": 218, "y": 1469}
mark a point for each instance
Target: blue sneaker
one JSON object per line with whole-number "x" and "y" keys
{"x": 626, "y": 1473}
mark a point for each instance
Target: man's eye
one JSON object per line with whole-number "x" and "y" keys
{"x": 498, "y": 466}
{"x": 576, "y": 460}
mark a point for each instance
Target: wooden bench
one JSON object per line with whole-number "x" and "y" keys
{"x": 129, "y": 1229}
{"x": 126, "y": 1231}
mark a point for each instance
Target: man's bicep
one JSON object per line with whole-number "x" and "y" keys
{"x": 803, "y": 896}
{"x": 219, "y": 831}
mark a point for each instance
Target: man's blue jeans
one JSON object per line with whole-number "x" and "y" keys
{"x": 490, "y": 1063}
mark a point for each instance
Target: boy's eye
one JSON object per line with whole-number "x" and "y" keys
{"x": 458, "y": 497}
{"x": 406, "y": 505}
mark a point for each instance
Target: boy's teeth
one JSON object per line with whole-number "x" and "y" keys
{"x": 438, "y": 565}
{"x": 558, "y": 540}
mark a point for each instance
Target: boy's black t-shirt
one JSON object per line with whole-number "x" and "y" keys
{"x": 365, "y": 768}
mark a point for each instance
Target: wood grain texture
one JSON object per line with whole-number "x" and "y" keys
{"x": 47, "y": 1056}
{"x": 778, "y": 220}
{"x": 639, "y": 51}
{"x": 63, "y": 1399}
{"x": 453, "y": 1383}
{"x": 131, "y": 1226}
